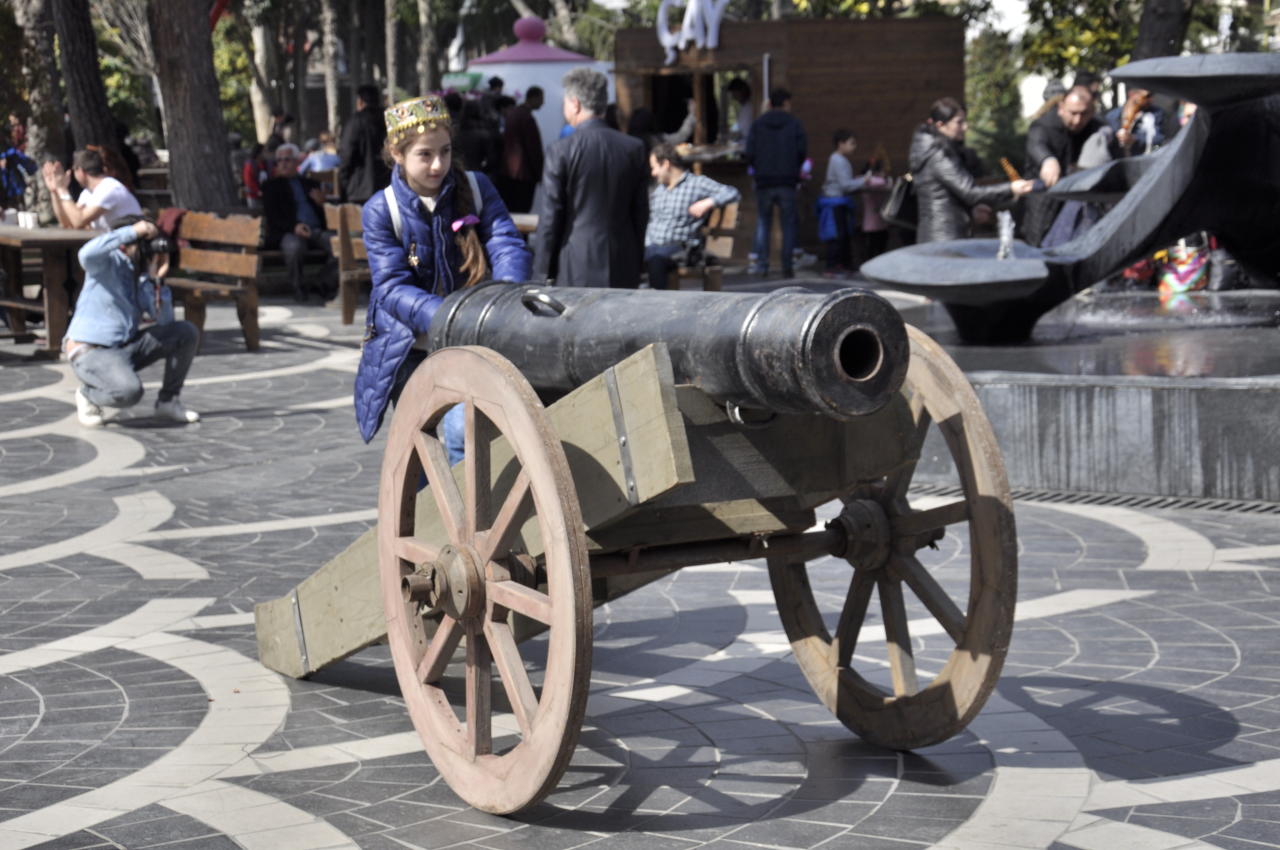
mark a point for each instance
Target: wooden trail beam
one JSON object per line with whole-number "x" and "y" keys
{"x": 338, "y": 610}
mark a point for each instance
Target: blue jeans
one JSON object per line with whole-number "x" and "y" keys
{"x": 452, "y": 428}
{"x": 110, "y": 375}
{"x": 660, "y": 261}
{"x": 785, "y": 199}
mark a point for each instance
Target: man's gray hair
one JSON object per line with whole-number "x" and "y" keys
{"x": 590, "y": 88}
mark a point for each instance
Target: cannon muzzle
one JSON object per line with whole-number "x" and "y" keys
{"x": 842, "y": 354}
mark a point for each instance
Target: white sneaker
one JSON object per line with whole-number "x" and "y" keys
{"x": 174, "y": 409}
{"x": 89, "y": 414}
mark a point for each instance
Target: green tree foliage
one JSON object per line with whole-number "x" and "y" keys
{"x": 969, "y": 10}
{"x": 1071, "y": 35}
{"x": 129, "y": 93}
{"x": 992, "y": 75}
{"x": 231, "y": 64}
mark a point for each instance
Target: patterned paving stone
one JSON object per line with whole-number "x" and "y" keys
{"x": 1139, "y": 707}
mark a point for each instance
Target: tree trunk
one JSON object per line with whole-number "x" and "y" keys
{"x": 91, "y": 120}
{"x": 393, "y": 64}
{"x": 40, "y": 77}
{"x": 297, "y": 92}
{"x": 329, "y": 27}
{"x": 199, "y": 159}
{"x": 356, "y": 73}
{"x": 1162, "y": 29}
{"x": 260, "y": 91}
{"x": 426, "y": 48}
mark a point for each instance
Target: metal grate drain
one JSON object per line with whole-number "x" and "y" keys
{"x": 1234, "y": 506}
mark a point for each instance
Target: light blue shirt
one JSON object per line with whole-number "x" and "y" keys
{"x": 108, "y": 309}
{"x": 319, "y": 161}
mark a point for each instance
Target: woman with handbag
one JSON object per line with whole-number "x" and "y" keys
{"x": 945, "y": 190}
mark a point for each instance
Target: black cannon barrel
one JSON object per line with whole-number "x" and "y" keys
{"x": 842, "y": 354}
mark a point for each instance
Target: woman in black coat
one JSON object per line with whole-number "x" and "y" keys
{"x": 945, "y": 190}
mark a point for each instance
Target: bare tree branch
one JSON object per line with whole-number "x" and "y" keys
{"x": 126, "y": 22}
{"x": 329, "y": 27}
{"x": 523, "y": 9}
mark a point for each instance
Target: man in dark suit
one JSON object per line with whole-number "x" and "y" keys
{"x": 595, "y": 196}
{"x": 293, "y": 206}
{"x": 364, "y": 171}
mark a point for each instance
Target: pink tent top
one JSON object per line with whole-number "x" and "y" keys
{"x": 529, "y": 47}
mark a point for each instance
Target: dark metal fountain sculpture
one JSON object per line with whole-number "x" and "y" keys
{"x": 1221, "y": 173}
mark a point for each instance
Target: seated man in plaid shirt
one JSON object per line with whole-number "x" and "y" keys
{"x": 677, "y": 206}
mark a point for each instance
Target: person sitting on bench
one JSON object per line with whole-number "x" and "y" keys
{"x": 294, "y": 208}
{"x": 677, "y": 206}
{"x": 105, "y": 342}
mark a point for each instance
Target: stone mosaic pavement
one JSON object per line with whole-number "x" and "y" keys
{"x": 1140, "y": 706}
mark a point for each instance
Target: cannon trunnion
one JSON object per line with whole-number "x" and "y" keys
{"x": 653, "y": 460}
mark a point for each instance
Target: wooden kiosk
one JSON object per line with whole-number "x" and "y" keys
{"x": 874, "y": 77}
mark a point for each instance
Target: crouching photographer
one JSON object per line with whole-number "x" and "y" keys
{"x": 107, "y": 343}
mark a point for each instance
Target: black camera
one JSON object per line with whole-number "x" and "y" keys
{"x": 158, "y": 245}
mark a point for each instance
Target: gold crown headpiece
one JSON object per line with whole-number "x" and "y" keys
{"x": 416, "y": 116}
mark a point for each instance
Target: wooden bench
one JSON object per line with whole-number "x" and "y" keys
{"x": 328, "y": 180}
{"x": 353, "y": 260}
{"x": 219, "y": 258}
{"x": 718, "y": 245}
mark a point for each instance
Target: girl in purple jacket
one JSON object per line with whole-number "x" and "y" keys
{"x": 435, "y": 229}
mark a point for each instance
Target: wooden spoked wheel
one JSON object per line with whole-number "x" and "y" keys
{"x": 907, "y": 708}
{"x": 499, "y": 534}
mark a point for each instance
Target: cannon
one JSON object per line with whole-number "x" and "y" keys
{"x": 686, "y": 429}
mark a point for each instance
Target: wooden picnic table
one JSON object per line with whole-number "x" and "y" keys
{"x": 56, "y": 245}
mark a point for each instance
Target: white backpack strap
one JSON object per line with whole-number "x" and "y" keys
{"x": 476, "y": 200}
{"x": 394, "y": 209}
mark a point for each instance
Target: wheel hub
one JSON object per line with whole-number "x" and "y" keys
{"x": 459, "y": 580}
{"x": 868, "y": 537}
{"x": 454, "y": 583}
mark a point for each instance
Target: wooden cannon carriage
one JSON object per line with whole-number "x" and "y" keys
{"x": 637, "y": 472}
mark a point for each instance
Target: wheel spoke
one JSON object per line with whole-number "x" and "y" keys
{"x": 443, "y": 488}
{"x": 476, "y": 462}
{"x": 533, "y": 604}
{"x": 901, "y": 662}
{"x": 416, "y": 551}
{"x": 852, "y": 617}
{"x": 918, "y": 522}
{"x": 511, "y": 516}
{"x": 441, "y": 650}
{"x": 479, "y": 697}
{"x": 515, "y": 679}
{"x": 934, "y": 597}
{"x": 900, "y": 479}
